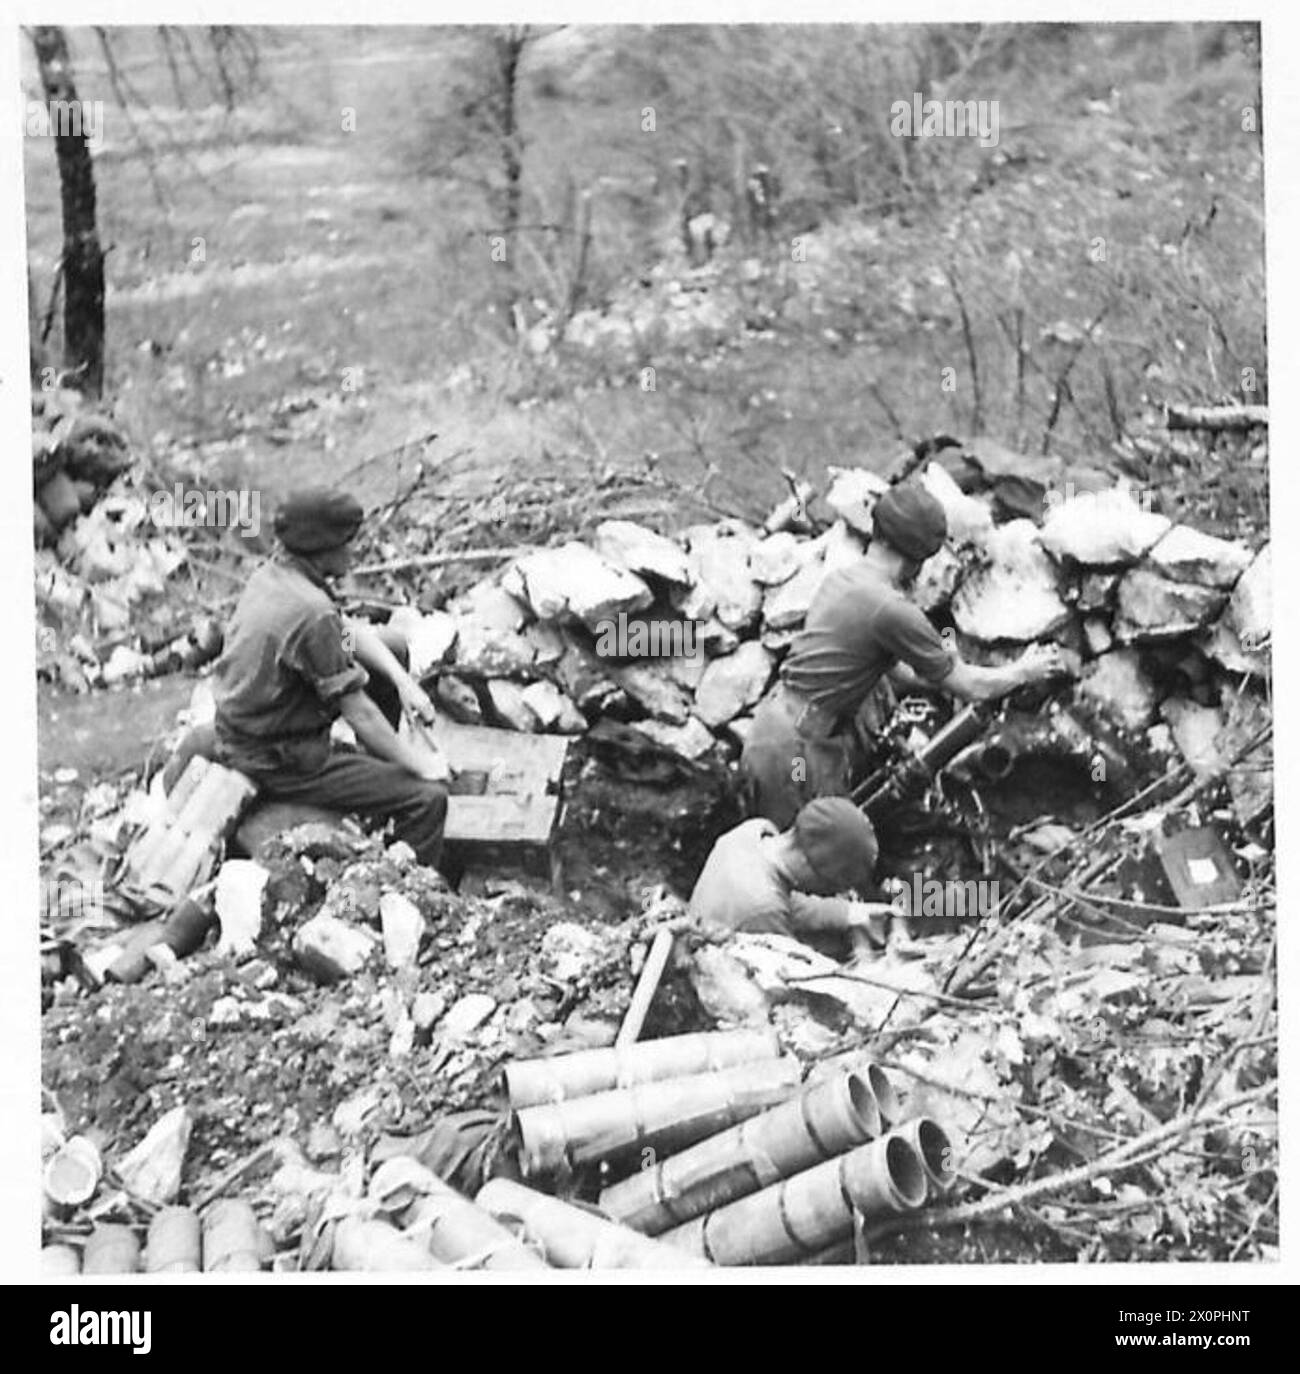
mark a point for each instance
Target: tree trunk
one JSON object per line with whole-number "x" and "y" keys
{"x": 83, "y": 258}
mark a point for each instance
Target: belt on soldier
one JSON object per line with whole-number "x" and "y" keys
{"x": 809, "y": 718}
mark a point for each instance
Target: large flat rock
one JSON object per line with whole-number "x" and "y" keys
{"x": 1101, "y": 529}
{"x": 1116, "y": 684}
{"x": 1186, "y": 555}
{"x": 1151, "y": 607}
{"x": 724, "y": 587}
{"x": 1016, "y": 596}
{"x": 732, "y": 684}
{"x": 575, "y": 582}
{"x": 643, "y": 552}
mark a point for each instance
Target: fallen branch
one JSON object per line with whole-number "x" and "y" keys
{"x": 439, "y": 560}
{"x": 1220, "y": 418}
{"x": 232, "y": 1176}
{"x": 1132, "y": 1152}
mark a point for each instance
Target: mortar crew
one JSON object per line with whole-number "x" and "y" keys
{"x": 758, "y": 878}
{"x": 860, "y": 627}
{"x": 292, "y": 665}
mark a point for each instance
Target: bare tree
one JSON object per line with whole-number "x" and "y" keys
{"x": 81, "y": 264}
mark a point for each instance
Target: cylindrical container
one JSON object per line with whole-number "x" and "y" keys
{"x": 461, "y": 1233}
{"x": 809, "y": 1211}
{"x": 378, "y": 1247}
{"x": 58, "y": 1260}
{"x": 530, "y": 1082}
{"x": 883, "y": 1090}
{"x": 826, "y": 1119}
{"x": 175, "y": 1242}
{"x": 233, "y": 1239}
{"x": 664, "y": 1116}
{"x": 935, "y": 1147}
{"x": 73, "y": 1172}
{"x": 187, "y": 927}
{"x": 111, "y": 1249}
{"x": 571, "y": 1238}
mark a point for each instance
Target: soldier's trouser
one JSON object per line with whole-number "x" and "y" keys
{"x": 355, "y": 783}
{"x": 789, "y": 760}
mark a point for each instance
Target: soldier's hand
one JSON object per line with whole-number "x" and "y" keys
{"x": 1041, "y": 661}
{"x": 417, "y": 703}
{"x": 434, "y": 766}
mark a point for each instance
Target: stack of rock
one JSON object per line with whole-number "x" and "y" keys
{"x": 1173, "y": 625}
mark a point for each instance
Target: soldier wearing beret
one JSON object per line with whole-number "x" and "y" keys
{"x": 292, "y": 665}
{"x": 758, "y": 878}
{"x": 860, "y": 628}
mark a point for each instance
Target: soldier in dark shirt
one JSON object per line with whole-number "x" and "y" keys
{"x": 859, "y": 628}
{"x": 292, "y": 666}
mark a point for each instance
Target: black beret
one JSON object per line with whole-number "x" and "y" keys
{"x": 317, "y": 519}
{"x": 911, "y": 520}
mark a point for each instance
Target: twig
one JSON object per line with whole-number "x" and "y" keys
{"x": 438, "y": 560}
{"x": 942, "y": 998}
{"x": 1124, "y": 1156}
{"x": 968, "y": 335}
{"x": 232, "y": 1176}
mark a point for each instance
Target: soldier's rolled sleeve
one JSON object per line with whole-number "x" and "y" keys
{"x": 908, "y": 634}
{"x": 318, "y": 655}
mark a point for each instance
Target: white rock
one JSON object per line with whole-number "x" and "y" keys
{"x": 716, "y": 638}
{"x": 1116, "y": 684}
{"x": 510, "y": 707}
{"x": 970, "y": 521}
{"x": 152, "y": 1170}
{"x": 654, "y": 690}
{"x": 937, "y": 580}
{"x": 786, "y": 606}
{"x": 1196, "y": 731}
{"x": 1097, "y": 634}
{"x": 776, "y": 559}
{"x": 719, "y": 557}
{"x": 429, "y": 638}
{"x": 687, "y": 669}
{"x": 575, "y": 581}
{"x": 488, "y": 633}
{"x": 642, "y": 551}
{"x": 853, "y": 494}
{"x": 402, "y": 926}
{"x": 692, "y": 740}
{"x": 330, "y": 949}
{"x": 553, "y": 709}
{"x": 1016, "y": 596}
{"x": 1101, "y": 528}
{"x": 733, "y": 683}
{"x": 467, "y": 1014}
{"x": 1187, "y": 555}
{"x": 240, "y": 885}
{"x": 1242, "y": 638}
{"x": 1150, "y": 607}
{"x": 841, "y": 547}
{"x": 570, "y": 951}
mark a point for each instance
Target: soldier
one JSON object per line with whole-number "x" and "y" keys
{"x": 758, "y": 878}
{"x": 860, "y": 628}
{"x": 292, "y": 666}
